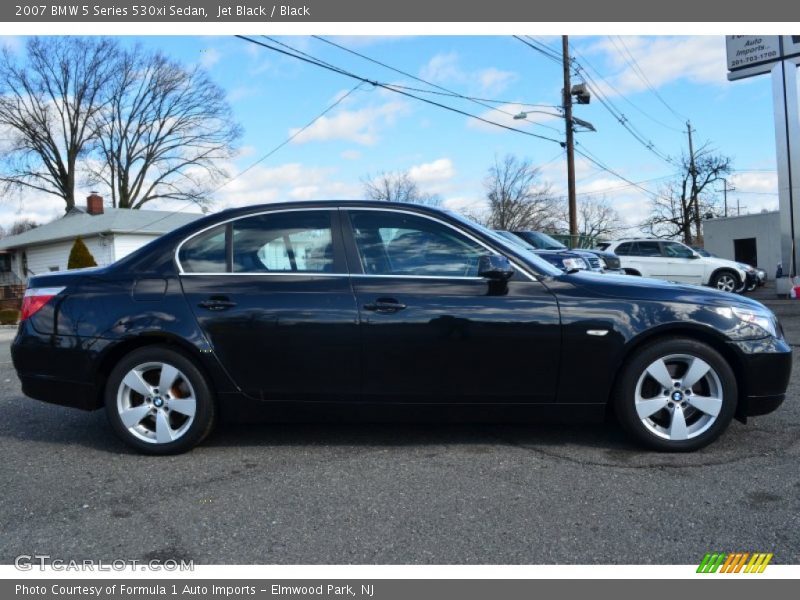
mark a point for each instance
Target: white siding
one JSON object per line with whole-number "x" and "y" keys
{"x": 43, "y": 257}
{"x": 125, "y": 243}
{"x": 719, "y": 234}
{"x": 105, "y": 250}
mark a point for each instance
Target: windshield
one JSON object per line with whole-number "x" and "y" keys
{"x": 542, "y": 241}
{"x": 540, "y": 264}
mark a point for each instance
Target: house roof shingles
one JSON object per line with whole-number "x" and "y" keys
{"x": 112, "y": 220}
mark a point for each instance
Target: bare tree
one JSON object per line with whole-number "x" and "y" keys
{"x": 21, "y": 226}
{"x": 397, "y": 187}
{"x": 518, "y": 200}
{"x": 596, "y": 219}
{"x": 47, "y": 106}
{"x": 164, "y": 133}
{"x": 678, "y": 210}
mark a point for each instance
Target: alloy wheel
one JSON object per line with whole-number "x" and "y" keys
{"x": 726, "y": 283}
{"x": 678, "y": 397}
{"x": 156, "y": 402}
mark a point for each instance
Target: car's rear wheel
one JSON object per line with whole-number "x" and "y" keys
{"x": 159, "y": 402}
{"x": 727, "y": 281}
{"x": 676, "y": 395}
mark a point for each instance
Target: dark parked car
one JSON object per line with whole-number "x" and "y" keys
{"x": 386, "y": 310}
{"x": 565, "y": 259}
{"x": 598, "y": 260}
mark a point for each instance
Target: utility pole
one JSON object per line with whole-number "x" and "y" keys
{"x": 725, "y": 189}
{"x": 570, "y": 144}
{"x": 695, "y": 210}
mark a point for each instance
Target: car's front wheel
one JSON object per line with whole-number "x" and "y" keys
{"x": 676, "y": 395}
{"x": 159, "y": 402}
{"x": 727, "y": 281}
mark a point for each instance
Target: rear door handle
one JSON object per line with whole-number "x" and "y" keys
{"x": 385, "y": 305}
{"x": 217, "y": 304}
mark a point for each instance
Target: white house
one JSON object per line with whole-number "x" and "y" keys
{"x": 109, "y": 233}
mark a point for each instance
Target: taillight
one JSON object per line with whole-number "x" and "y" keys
{"x": 35, "y": 299}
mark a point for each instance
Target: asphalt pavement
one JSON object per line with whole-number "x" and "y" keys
{"x": 395, "y": 494}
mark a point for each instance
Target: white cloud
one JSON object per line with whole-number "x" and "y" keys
{"x": 351, "y": 155}
{"x": 209, "y": 57}
{"x": 442, "y": 68}
{"x": 361, "y": 126}
{"x": 12, "y": 43}
{"x": 664, "y": 60}
{"x": 445, "y": 68}
{"x": 494, "y": 81}
{"x": 438, "y": 171}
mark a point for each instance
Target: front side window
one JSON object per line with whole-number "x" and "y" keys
{"x": 675, "y": 250}
{"x": 289, "y": 242}
{"x": 393, "y": 243}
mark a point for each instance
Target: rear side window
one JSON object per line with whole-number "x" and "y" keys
{"x": 290, "y": 242}
{"x": 204, "y": 253}
{"x": 646, "y": 249}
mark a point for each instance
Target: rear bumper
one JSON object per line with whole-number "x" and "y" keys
{"x": 58, "y": 391}
{"x": 55, "y": 369}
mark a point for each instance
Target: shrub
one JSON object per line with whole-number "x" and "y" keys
{"x": 79, "y": 256}
{"x": 9, "y": 316}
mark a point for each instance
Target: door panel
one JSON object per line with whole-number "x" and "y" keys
{"x": 273, "y": 297}
{"x": 432, "y": 330}
{"x": 284, "y": 337}
{"x": 456, "y": 341}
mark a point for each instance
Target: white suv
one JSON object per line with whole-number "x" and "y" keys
{"x": 674, "y": 261}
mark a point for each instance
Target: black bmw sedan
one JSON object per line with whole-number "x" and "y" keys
{"x": 388, "y": 309}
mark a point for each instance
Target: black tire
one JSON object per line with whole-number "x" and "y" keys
{"x": 726, "y": 280}
{"x": 633, "y": 272}
{"x": 192, "y": 432}
{"x": 646, "y": 430}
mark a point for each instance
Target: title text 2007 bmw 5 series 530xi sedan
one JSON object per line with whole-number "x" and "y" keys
{"x": 386, "y": 309}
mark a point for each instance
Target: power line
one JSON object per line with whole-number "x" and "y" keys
{"x": 542, "y": 49}
{"x": 261, "y": 159}
{"x": 596, "y": 161}
{"x": 643, "y": 76}
{"x": 443, "y": 89}
{"x": 321, "y": 64}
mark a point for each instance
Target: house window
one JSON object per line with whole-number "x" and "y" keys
{"x": 5, "y": 263}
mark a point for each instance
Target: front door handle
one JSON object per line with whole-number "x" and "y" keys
{"x": 217, "y": 304}
{"x": 385, "y": 305}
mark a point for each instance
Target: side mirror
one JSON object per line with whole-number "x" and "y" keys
{"x": 694, "y": 255}
{"x": 495, "y": 267}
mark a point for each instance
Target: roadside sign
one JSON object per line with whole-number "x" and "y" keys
{"x": 750, "y": 55}
{"x": 752, "y": 50}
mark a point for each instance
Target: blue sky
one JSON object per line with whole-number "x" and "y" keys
{"x": 376, "y": 130}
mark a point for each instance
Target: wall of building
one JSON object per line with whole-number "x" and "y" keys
{"x": 125, "y": 243}
{"x": 46, "y": 258}
{"x": 719, "y": 235}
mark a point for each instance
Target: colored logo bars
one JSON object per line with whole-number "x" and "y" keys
{"x": 734, "y": 562}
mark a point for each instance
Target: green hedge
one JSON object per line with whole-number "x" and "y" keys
{"x": 9, "y": 316}
{"x": 79, "y": 256}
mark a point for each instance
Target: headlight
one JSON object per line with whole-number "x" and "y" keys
{"x": 573, "y": 263}
{"x": 603, "y": 264}
{"x": 756, "y": 318}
